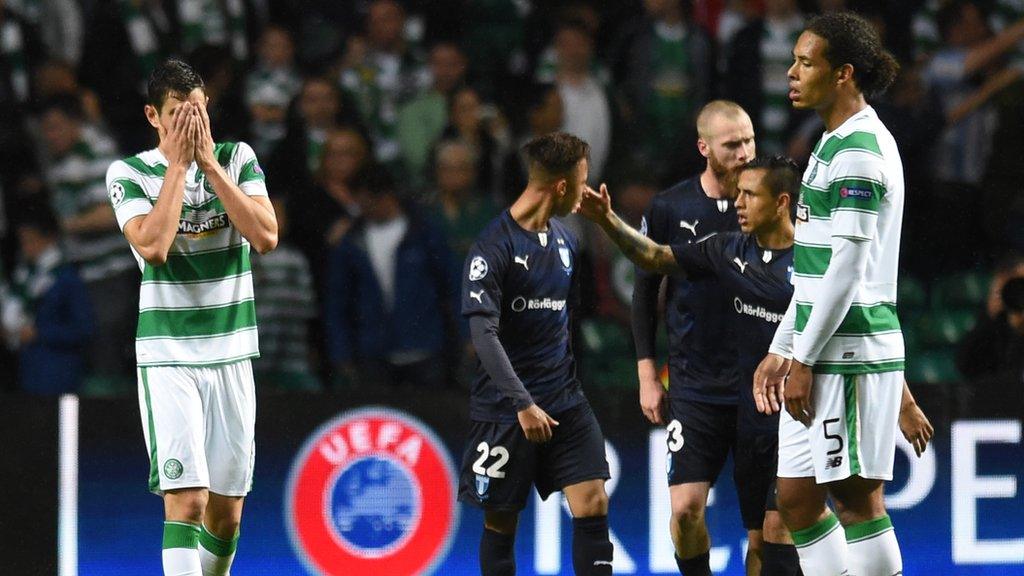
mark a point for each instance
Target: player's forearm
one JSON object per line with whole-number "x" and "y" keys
{"x": 640, "y": 249}
{"x": 644, "y": 317}
{"x": 254, "y": 221}
{"x": 153, "y": 236}
{"x": 484, "y": 332}
{"x": 646, "y": 369}
{"x": 782, "y": 342}
{"x": 908, "y": 399}
{"x": 838, "y": 289}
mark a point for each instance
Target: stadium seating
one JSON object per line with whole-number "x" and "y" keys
{"x": 607, "y": 354}
{"x": 911, "y": 294}
{"x": 965, "y": 290}
{"x": 944, "y": 327}
{"x": 933, "y": 366}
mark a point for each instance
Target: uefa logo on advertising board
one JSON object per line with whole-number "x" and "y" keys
{"x": 371, "y": 492}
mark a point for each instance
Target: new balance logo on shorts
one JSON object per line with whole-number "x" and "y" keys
{"x": 833, "y": 462}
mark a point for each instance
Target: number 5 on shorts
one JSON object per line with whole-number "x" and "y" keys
{"x": 836, "y": 437}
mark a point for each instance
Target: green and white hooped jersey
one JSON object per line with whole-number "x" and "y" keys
{"x": 197, "y": 308}
{"x": 853, "y": 188}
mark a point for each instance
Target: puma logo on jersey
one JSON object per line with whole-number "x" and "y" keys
{"x": 522, "y": 260}
{"x": 691, "y": 227}
{"x": 478, "y": 296}
{"x": 740, "y": 264}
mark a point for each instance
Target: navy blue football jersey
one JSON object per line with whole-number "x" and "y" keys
{"x": 702, "y": 358}
{"x": 526, "y": 280}
{"x": 757, "y": 284}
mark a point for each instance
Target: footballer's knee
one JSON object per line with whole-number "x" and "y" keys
{"x": 801, "y": 502}
{"x": 587, "y": 499}
{"x": 774, "y": 529}
{"x": 185, "y": 505}
{"x": 858, "y": 500}
{"x": 223, "y": 515}
{"x": 688, "y": 509}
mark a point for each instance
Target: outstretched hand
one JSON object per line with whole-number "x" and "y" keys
{"x": 596, "y": 205}
{"x": 770, "y": 383}
{"x": 798, "y": 393}
{"x": 916, "y": 428}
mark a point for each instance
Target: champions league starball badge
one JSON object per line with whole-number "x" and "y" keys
{"x": 371, "y": 492}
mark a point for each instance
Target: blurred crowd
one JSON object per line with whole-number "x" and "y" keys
{"x": 389, "y": 132}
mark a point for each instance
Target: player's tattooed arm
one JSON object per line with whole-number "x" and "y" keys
{"x": 643, "y": 251}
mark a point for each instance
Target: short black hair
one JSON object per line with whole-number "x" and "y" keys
{"x": 172, "y": 76}
{"x": 556, "y": 154}
{"x": 1013, "y": 295}
{"x": 853, "y": 40}
{"x": 783, "y": 174}
{"x": 67, "y": 104}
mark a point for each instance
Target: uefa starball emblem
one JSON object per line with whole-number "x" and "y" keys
{"x": 371, "y": 492}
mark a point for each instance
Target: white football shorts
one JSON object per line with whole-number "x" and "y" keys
{"x": 856, "y": 419}
{"x": 199, "y": 425}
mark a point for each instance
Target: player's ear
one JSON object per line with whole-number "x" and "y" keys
{"x": 844, "y": 74}
{"x": 703, "y": 148}
{"x": 561, "y": 186}
{"x": 152, "y": 115}
{"x": 785, "y": 203}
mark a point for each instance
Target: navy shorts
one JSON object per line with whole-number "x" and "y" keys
{"x": 700, "y": 437}
{"x": 500, "y": 466}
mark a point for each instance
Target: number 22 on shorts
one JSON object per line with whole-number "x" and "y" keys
{"x": 495, "y": 469}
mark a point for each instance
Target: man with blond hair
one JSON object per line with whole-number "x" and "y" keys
{"x": 700, "y": 405}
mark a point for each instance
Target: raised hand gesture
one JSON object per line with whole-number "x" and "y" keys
{"x": 596, "y": 205}
{"x": 182, "y": 136}
{"x": 204, "y": 138}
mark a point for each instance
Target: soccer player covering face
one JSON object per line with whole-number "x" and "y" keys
{"x": 704, "y": 384}
{"x": 840, "y": 341}
{"x": 531, "y": 424}
{"x": 192, "y": 210}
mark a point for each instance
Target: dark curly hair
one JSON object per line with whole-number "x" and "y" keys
{"x": 172, "y": 76}
{"x": 852, "y": 40}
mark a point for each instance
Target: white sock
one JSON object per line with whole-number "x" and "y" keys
{"x": 874, "y": 550}
{"x": 215, "y": 554}
{"x": 822, "y": 548}
{"x": 180, "y": 557}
